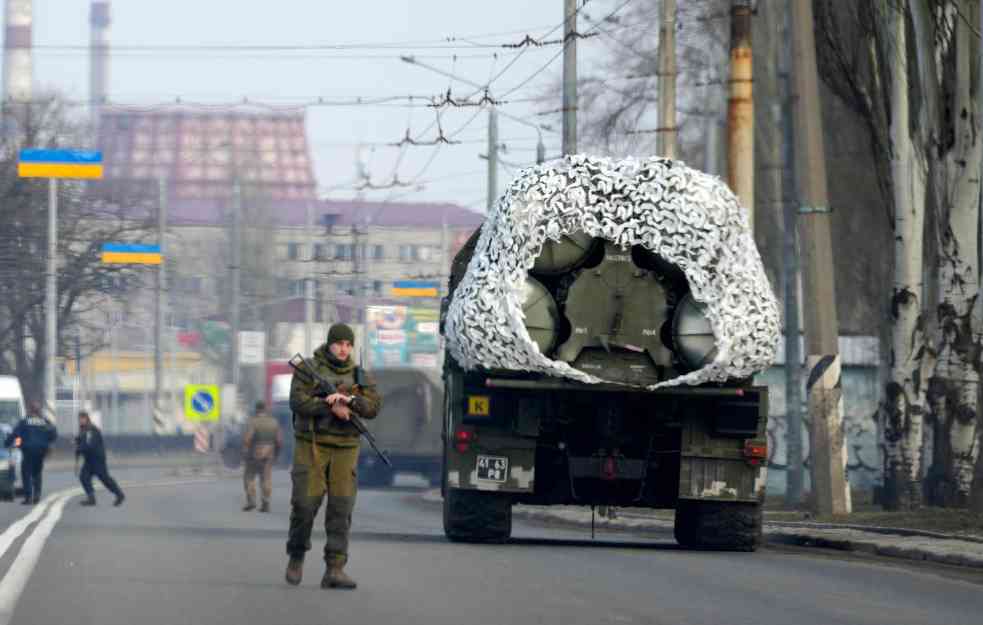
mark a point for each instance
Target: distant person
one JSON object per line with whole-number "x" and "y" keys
{"x": 261, "y": 445}
{"x": 89, "y": 445}
{"x": 326, "y": 455}
{"x": 34, "y": 434}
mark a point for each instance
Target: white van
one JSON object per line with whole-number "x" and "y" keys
{"x": 11, "y": 400}
{"x": 11, "y": 411}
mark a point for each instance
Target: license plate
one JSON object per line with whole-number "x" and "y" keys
{"x": 493, "y": 468}
{"x": 479, "y": 405}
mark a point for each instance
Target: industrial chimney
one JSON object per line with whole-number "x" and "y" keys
{"x": 99, "y": 58}
{"x": 18, "y": 73}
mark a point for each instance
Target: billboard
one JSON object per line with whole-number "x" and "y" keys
{"x": 402, "y": 336}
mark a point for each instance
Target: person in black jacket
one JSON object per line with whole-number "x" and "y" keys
{"x": 34, "y": 435}
{"x": 88, "y": 445}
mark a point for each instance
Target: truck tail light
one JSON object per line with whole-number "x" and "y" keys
{"x": 463, "y": 440}
{"x": 755, "y": 453}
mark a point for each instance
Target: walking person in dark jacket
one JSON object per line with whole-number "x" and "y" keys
{"x": 34, "y": 435}
{"x": 88, "y": 445}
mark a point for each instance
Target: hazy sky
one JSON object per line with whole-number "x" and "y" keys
{"x": 418, "y": 27}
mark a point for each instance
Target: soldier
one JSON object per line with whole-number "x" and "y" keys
{"x": 326, "y": 455}
{"x": 34, "y": 433}
{"x": 88, "y": 445}
{"x": 261, "y": 445}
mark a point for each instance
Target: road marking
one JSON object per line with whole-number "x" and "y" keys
{"x": 15, "y": 580}
{"x": 51, "y": 509}
{"x": 17, "y": 528}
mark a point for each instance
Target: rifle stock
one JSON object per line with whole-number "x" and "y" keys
{"x": 302, "y": 367}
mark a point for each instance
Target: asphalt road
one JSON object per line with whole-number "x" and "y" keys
{"x": 184, "y": 553}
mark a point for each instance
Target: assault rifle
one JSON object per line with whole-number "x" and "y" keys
{"x": 323, "y": 388}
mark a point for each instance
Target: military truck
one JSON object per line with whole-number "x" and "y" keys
{"x": 518, "y": 436}
{"x": 408, "y": 426}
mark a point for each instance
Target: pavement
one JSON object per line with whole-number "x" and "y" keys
{"x": 906, "y": 544}
{"x": 181, "y": 551}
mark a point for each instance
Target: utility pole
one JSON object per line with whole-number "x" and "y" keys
{"x": 540, "y": 150}
{"x": 159, "y": 305}
{"x": 234, "y": 270}
{"x": 309, "y": 283}
{"x": 667, "y": 134}
{"x": 492, "y": 157}
{"x": 569, "y": 77}
{"x": 115, "y": 320}
{"x": 740, "y": 105}
{"x": 793, "y": 354}
{"x": 51, "y": 300}
{"x": 830, "y": 488}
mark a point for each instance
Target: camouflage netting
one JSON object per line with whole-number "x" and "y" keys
{"x": 689, "y": 218}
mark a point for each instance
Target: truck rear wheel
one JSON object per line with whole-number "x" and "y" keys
{"x": 718, "y": 525}
{"x": 477, "y": 517}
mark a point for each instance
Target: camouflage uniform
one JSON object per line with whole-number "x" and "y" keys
{"x": 261, "y": 444}
{"x": 326, "y": 457}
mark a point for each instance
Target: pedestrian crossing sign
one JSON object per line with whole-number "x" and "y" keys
{"x": 202, "y": 402}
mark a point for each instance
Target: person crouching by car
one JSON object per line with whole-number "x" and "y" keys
{"x": 88, "y": 445}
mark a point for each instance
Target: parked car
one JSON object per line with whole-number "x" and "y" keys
{"x": 10, "y": 458}
{"x": 11, "y": 411}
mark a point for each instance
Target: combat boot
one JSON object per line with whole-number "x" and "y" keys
{"x": 335, "y": 577}
{"x": 249, "y": 506}
{"x": 88, "y": 501}
{"x": 264, "y": 507}
{"x": 295, "y": 570}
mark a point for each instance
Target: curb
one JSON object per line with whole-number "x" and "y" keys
{"x": 919, "y": 545}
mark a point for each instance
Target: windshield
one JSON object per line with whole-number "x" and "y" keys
{"x": 10, "y": 411}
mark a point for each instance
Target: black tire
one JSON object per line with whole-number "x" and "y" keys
{"x": 716, "y": 525}
{"x": 472, "y": 516}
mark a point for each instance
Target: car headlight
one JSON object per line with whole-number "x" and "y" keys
{"x": 692, "y": 335}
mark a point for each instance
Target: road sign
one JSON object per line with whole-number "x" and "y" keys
{"x": 202, "y": 402}
{"x": 41, "y": 163}
{"x": 252, "y": 348}
{"x": 415, "y": 288}
{"x": 131, "y": 254}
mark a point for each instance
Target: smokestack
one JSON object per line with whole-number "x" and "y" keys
{"x": 18, "y": 73}
{"x": 99, "y": 58}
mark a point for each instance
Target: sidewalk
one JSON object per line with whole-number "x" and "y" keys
{"x": 904, "y": 543}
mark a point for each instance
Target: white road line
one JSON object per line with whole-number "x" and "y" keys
{"x": 15, "y": 580}
{"x": 17, "y": 528}
{"x": 51, "y": 508}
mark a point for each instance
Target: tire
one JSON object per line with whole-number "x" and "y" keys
{"x": 715, "y": 525}
{"x": 477, "y": 517}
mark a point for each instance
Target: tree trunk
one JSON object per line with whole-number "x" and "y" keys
{"x": 957, "y": 188}
{"x": 904, "y": 395}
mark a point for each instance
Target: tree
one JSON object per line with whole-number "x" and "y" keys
{"x": 618, "y": 99}
{"x": 84, "y": 283}
{"x": 948, "y": 60}
{"x": 933, "y": 163}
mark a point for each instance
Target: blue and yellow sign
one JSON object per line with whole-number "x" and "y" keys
{"x": 131, "y": 254}
{"x": 39, "y": 163}
{"x": 202, "y": 402}
{"x": 415, "y": 288}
